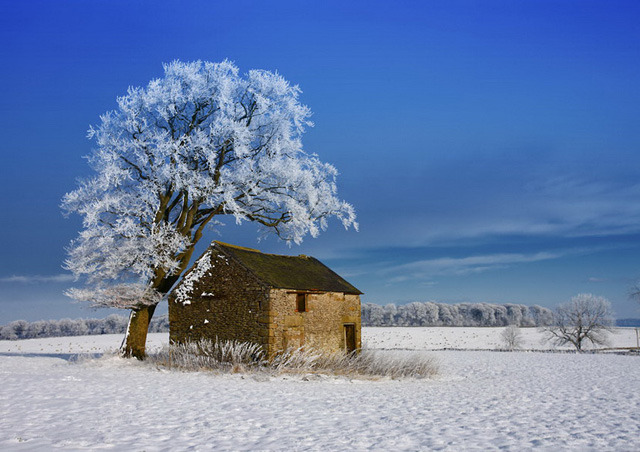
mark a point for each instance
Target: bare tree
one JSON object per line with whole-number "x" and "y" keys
{"x": 634, "y": 292}
{"x": 512, "y": 337}
{"x": 585, "y": 317}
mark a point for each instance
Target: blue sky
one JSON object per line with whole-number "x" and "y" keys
{"x": 490, "y": 148}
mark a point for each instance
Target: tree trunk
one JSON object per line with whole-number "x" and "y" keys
{"x": 136, "y": 339}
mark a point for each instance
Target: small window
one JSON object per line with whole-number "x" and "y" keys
{"x": 301, "y": 302}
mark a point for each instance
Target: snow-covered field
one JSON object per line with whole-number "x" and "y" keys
{"x": 482, "y": 400}
{"x": 441, "y": 338}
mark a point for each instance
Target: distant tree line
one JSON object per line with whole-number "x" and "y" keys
{"x": 113, "y": 324}
{"x": 412, "y": 314}
{"x": 463, "y": 314}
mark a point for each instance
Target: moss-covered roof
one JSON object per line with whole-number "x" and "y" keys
{"x": 289, "y": 272}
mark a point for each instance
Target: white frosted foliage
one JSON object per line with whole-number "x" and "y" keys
{"x": 124, "y": 296}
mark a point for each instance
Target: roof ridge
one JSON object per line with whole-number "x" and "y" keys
{"x": 229, "y": 245}
{"x": 245, "y": 248}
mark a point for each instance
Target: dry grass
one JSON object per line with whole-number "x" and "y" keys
{"x": 223, "y": 356}
{"x": 233, "y": 357}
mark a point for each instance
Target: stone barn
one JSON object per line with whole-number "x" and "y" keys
{"x": 279, "y": 302}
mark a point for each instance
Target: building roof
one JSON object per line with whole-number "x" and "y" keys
{"x": 288, "y": 272}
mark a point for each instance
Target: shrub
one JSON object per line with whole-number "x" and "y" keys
{"x": 511, "y": 337}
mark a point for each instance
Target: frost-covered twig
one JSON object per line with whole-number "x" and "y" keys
{"x": 124, "y": 296}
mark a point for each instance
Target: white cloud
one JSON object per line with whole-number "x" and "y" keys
{"x": 31, "y": 279}
{"x": 466, "y": 265}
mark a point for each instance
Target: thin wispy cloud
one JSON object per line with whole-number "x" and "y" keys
{"x": 34, "y": 279}
{"x": 532, "y": 205}
{"x": 445, "y": 266}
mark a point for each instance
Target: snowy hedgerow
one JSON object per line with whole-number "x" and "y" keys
{"x": 112, "y": 324}
{"x": 462, "y": 314}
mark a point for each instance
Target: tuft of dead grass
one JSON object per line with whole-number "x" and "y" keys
{"x": 245, "y": 357}
{"x": 223, "y": 356}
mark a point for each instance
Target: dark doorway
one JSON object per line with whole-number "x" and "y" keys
{"x": 301, "y": 302}
{"x": 350, "y": 337}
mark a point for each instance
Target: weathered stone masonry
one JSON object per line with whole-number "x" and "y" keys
{"x": 279, "y": 302}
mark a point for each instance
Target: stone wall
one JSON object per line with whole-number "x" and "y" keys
{"x": 320, "y": 326}
{"x": 227, "y": 303}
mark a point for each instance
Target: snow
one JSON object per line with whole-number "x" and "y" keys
{"x": 438, "y": 338}
{"x": 481, "y": 400}
{"x": 200, "y": 269}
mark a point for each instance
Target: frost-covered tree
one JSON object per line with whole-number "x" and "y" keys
{"x": 372, "y": 314}
{"x": 200, "y": 143}
{"x": 511, "y": 337}
{"x": 540, "y": 316}
{"x": 390, "y": 314}
{"x": 634, "y": 292}
{"x": 448, "y": 315}
{"x": 585, "y": 317}
{"x": 515, "y": 313}
{"x": 14, "y": 330}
